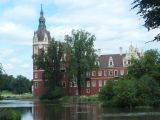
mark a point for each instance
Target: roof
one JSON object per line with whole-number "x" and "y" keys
{"x": 41, "y": 33}
{"x": 117, "y": 60}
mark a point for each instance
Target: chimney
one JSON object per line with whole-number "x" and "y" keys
{"x": 120, "y": 50}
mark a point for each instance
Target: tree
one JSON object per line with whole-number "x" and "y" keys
{"x": 150, "y": 11}
{"x": 21, "y": 85}
{"x": 82, "y": 55}
{"x": 148, "y": 64}
{"x": 51, "y": 60}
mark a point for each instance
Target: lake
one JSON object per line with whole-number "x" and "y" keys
{"x": 35, "y": 110}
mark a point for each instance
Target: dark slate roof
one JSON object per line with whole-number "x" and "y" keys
{"x": 117, "y": 60}
{"x": 41, "y": 33}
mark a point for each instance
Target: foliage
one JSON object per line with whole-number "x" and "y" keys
{"x": 148, "y": 91}
{"x": 141, "y": 87}
{"x": 150, "y": 11}
{"x": 51, "y": 61}
{"x": 18, "y": 85}
{"x": 107, "y": 92}
{"x": 51, "y": 94}
{"x": 120, "y": 93}
{"x": 82, "y": 55}
{"x": 21, "y": 85}
{"x": 148, "y": 64}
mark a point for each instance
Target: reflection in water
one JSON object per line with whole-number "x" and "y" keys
{"x": 35, "y": 110}
{"x": 66, "y": 111}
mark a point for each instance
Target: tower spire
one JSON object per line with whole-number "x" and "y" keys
{"x": 41, "y": 13}
{"x": 41, "y": 19}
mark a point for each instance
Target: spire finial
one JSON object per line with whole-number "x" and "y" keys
{"x": 41, "y": 10}
{"x": 41, "y": 19}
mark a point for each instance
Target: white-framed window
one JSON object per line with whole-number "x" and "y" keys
{"x": 88, "y": 74}
{"x": 110, "y": 72}
{"x": 35, "y": 85}
{"x": 35, "y": 49}
{"x": 93, "y": 83}
{"x": 35, "y": 75}
{"x": 105, "y": 82}
{"x": 100, "y": 83}
{"x": 105, "y": 72}
{"x": 116, "y": 73}
{"x": 129, "y": 62}
{"x": 99, "y": 89}
{"x": 121, "y": 72}
{"x": 99, "y": 72}
{"x": 87, "y": 90}
{"x": 93, "y": 73}
{"x": 73, "y": 84}
{"x": 64, "y": 84}
{"x": 88, "y": 83}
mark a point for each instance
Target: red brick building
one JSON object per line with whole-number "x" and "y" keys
{"x": 111, "y": 66}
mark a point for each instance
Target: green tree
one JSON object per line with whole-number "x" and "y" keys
{"x": 148, "y": 64}
{"x": 51, "y": 61}
{"x": 82, "y": 55}
{"x": 125, "y": 93}
{"x": 21, "y": 85}
{"x": 148, "y": 91}
{"x": 149, "y": 10}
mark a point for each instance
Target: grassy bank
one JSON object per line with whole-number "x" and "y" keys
{"x": 79, "y": 99}
{"x": 9, "y": 95}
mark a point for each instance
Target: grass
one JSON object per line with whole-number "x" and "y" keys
{"x": 10, "y": 95}
{"x": 81, "y": 99}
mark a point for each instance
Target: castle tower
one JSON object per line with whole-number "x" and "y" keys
{"x": 40, "y": 41}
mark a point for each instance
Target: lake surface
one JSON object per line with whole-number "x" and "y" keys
{"x": 35, "y": 110}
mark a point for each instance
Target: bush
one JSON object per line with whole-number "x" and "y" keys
{"x": 50, "y": 94}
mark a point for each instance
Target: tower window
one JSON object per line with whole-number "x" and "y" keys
{"x": 36, "y": 85}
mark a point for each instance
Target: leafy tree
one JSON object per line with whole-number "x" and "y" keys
{"x": 17, "y": 85}
{"x": 82, "y": 55}
{"x": 51, "y": 61}
{"x": 150, "y": 11}
{"x": 107, "y": 92}
{"x": 21, "y": 85}
{"x": 148, "y": 64}
{"x": 125, "y": 93}
{"x": 148, "y": 91}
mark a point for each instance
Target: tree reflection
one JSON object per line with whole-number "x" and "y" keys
{"x": 50, "y": 111}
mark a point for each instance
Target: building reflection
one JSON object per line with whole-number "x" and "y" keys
{"x": 50, "y": 111}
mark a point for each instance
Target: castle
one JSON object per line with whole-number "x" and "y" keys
{"x": 111, "y": 66}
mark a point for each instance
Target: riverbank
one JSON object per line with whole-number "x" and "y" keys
{"x": 11, "y": 96}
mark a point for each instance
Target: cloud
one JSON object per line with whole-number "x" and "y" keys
{"x": 113, "y": 23}
{"x": 21, "y": 13}
{"x": 11, "y": 33}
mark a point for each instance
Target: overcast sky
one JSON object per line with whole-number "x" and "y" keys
{"x": 112, "y": 22}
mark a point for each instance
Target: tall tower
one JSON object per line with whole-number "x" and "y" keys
{"x": 40, "y": 41}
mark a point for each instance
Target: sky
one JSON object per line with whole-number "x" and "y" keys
{"x": 113, "y": 23}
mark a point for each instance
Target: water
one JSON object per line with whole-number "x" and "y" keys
{"x": 35, "y": 110}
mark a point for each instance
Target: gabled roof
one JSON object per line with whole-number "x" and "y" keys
{"x": 117, "y": 60}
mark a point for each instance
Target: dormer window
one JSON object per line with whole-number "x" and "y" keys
{"x": 110, "y": 63}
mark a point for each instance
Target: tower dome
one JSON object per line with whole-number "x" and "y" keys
{"x": 42, "y": 33}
